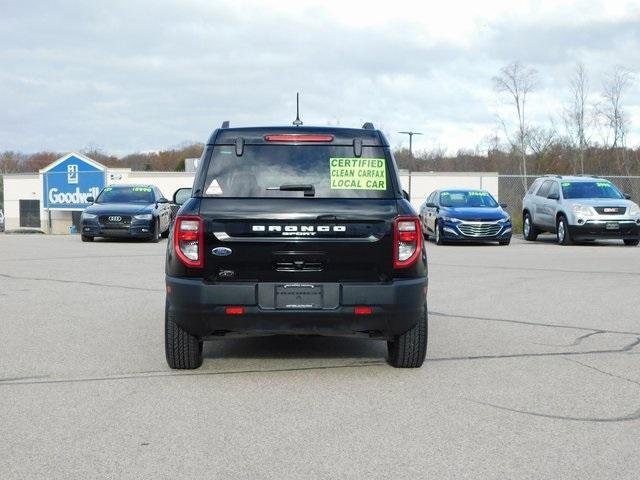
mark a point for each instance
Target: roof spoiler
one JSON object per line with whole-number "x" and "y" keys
{"x": 225, "y": 124}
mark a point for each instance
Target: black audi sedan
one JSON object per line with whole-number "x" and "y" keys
{"x": 127, "y": 211}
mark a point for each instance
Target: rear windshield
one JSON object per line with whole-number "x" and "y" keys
{"x": 469, "y": 199}
{"x": 321, "y": 171}
{"x": 601, "y": 189}
{"x": 126, "y": 195}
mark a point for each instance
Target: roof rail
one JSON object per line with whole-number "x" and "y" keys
{"x": 225, "y": 124}
{"x": 552, "y": 175}
{"x": 368, "y": 126}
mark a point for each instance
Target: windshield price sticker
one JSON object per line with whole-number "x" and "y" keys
{"x": 140, "y": 189}
{"x": 358, "y": 173}
{"x": 566, "y": 184}
{"x": 603, "y": 184}
{"x": 478, "y": 194}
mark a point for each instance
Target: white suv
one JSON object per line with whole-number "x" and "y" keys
{"x": 579, "y": 209}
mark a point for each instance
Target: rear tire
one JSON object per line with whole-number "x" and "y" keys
{"x": 183, "y": 350}
{"x": 86, "y": 238}
{"x": 563, "y": 236}
{"x": 410, "y": 349}
{"x": 529, "y": 232}
{"x": 425, "y": 235}
{"x": 156, "y": 232}
{"x": 631, "y": 243}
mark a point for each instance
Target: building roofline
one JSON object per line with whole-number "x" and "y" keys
{"x": 73, "y": 154}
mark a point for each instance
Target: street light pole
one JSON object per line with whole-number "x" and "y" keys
{"x": 411, "y": 134}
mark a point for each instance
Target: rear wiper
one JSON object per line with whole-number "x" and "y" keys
{"x": 308, "y": 189}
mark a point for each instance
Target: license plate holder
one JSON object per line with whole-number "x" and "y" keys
{"x": 612, "y": 226}
{"x": 298, "y": 296}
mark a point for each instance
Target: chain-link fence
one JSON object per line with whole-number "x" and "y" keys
{"x": 512, "y": 188}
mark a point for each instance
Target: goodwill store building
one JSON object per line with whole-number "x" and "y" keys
{"x": 53, "y": 199}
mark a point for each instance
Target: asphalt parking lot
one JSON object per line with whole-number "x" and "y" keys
{"x": 533, "y": 371}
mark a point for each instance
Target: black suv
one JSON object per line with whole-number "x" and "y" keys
{"x": 296, "y": 230}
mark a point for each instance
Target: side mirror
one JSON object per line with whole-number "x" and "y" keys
{"x": 406, "y": 195}
{"x": 553, "y": 196}
{"x": 182, "y": 195}
{"x": 90, "y": 199}
{"x": 627, "y": 196}
{"x": 430, "y": 205}
{"x": 503, "y": 205}
{"x": 162, "y": 200}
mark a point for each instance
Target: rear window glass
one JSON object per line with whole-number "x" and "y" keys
{"x": 470, "y": 199}
{"x": 602, "y": 189}
{"x": 321, "y": 171}
{"x": 126, "y": 195}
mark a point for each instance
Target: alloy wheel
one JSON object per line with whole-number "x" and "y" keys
{"x": 561, "y": 231}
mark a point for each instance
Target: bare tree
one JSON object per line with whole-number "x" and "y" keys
{"x": 613, "y": 115}
{"x": 517, "y": 81}
{"x": 9, "y": 162}
{"x": 611, "y": 110}
{"x": 576, "y": 117}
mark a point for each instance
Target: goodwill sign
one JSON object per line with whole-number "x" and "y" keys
{"x": 70, "y": 180}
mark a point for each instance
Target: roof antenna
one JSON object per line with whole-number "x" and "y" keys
{"x": 297, "y": 122}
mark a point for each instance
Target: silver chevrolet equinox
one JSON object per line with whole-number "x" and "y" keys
{"x": 579, "y": 209}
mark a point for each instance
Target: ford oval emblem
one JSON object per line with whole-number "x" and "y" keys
{"x": 221, "y": 251}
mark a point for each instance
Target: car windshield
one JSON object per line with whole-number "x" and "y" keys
{"x": 126, "y": 195}
{"x": 601, "y": 189}
{"x": 467, "y": 199}
{"x": 320, "y": 171}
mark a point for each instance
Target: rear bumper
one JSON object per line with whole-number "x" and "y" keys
{"x": 598, "y": 230}
{"x": 199, "y": 308}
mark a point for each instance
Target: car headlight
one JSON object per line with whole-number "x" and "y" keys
{"x": 634, "y": 210}
{"x": 451, "y": 219}
{"x": 88, "y": 216}
{"x": 582, "y": 210}
{"x": 143, "y": 216}
{"x": 506, "y": 219}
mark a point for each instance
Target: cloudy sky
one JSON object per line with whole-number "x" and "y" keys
{"x": 136, "y": 76}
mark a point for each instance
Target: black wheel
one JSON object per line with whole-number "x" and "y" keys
{"x": 631, "y": 243}
{"x": 183, "y": 350}
{"x": 505, "y": 242}
{"x": 86, "y": 238}
{"x": 156, "y": 232}
{"x": 165, "y": 234}
{"x": 438, "y": 234}
{"x": 563, "y": 236}
{"x": 409, "y": 349}
{"x": 529, "y": 232}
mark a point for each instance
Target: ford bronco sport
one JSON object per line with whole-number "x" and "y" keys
{"x": 296, "y": 230}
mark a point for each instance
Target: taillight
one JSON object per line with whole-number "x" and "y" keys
{"x": 407, "y": 241}
{"x": 188, "y": 240}
{"x": 298, "y": 137}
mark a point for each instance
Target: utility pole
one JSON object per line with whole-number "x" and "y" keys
{"x": 411, "y": 134}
